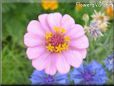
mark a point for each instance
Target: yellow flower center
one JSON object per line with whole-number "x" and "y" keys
{"x": 57, "y": 42}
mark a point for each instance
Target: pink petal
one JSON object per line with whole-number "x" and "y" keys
{"x": 73, "y": 57}
{"x": 62, "y": 65}
{"x": 51, "y": 66}
{"x": 76, "y": 31}
{"x": 41, "y": 62}
{"x": 35, "y": 52}
{"x": 43, "y": 21}
{"x": 35, "y": 28}
{"x": 32, "y": 40}
{"x": 80, "y": 43}
{"x": 54, "y": 19}
{"x": 83, "y": 52}
{"x": 67, "y": 22}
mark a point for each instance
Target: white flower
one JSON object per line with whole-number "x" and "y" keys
{"x": 101, "y": 19}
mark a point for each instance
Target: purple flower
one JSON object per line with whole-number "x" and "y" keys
{"x": 109, "y": 62}
{"x": 39, "y": 77}
{"x": 95, "y": 32}
{"x": 92, "y": 73}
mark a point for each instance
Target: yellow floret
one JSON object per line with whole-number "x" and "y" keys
{"x": 50, "y": 47}
{"x": 59, "y": 29}
{"x": 48, "y": 35}
{"x": 63, "y": 30}
{"x": 67, "y": 38}
{"x": 58, "y": 48}
{"x": 64, "y": 46}
{"x": 56, "y": 29}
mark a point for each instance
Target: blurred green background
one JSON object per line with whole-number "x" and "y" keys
{"x": 16, "y": 68}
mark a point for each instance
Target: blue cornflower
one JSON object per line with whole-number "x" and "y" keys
{"x": 39, "y": 77}
{"x": 109, "y": 62}
{"x": 92, "y": 73}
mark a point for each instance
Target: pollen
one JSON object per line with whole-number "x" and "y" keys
{"x": 57, "y": 42}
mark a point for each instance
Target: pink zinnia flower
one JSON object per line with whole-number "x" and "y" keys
{"x": 55, "y": 43}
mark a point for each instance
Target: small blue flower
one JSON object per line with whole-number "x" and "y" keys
{"x": 92, "y": 73}
{"x": 109, "y": 62}
{"x": 39, "y": 77}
